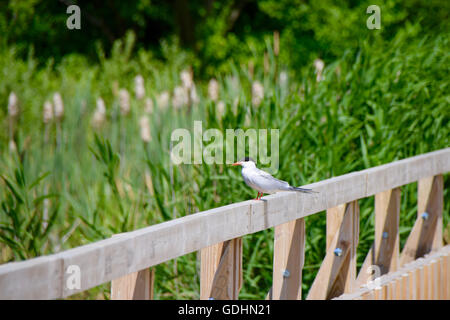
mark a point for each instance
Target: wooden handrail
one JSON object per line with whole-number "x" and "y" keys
{"x": 46, "y": 277}
{"x": 395, "y": 285}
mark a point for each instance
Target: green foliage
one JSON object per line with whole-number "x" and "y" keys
{"x": 24, "y": 227}
{"x": 378, "y": 102}
{"x": 110, "y": 162}
{"x": 212, "y": 31}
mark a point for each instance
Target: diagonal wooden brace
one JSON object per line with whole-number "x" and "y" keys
{"x": 134, "y": 286}
{"x": 221, "y": 270}
{"x": 426, "y": 234}
{"x": 337, "y": 273}
{"x": 384, "y": 253}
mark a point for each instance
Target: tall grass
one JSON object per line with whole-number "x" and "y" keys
{"x": 381, "y": 103}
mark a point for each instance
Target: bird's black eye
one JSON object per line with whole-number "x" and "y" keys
{"x": 248, "y": 159}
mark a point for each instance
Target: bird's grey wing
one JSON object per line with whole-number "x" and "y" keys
{"x": 269, "y": 182}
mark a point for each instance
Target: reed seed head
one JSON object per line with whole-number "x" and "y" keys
{"x": 213, "y": 89}
{"x": 100, "y": 113}
{"x": 319, "y": 65}
{"x": 139, "y": 87}
{"x": 145, "y": 129}
{"x": 148, "y": 105}
{"x": 397, "y": 76}
{"x": 58, "y": 106}
{"x": 124, "y": 101}
{"x": 233, "y": 83}
{"x": 220, "y": 108}
{"x": 187, "y": 79}
{"x": 194, "y": 96}
{"x": 163, "y": 100}
{"x": 13, "y": 105}
{"x": 283, "y": 78}
{"x": 180, "y": 97}
{"x": 48, "y": 112}
{"x": 257, "y": 93}
{"x": 12, "y": 146}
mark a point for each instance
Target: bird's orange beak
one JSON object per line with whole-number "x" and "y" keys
{"x": 237, "y": 163}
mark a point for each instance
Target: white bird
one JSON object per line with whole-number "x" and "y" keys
{"x": 262, "y": 181}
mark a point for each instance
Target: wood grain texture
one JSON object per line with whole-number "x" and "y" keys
{"x": 221, "y": 271}
{"x": 446, "y": 275}
{"x": 424, "y": 278}
{"x": 426, "y": 235}
{"x": 288, "y": 260}
{"x": 43, "y": 275}
{"x": 134, "y": 286}
{"x": 337, "y": 274}
{"x": 385, "y": 250}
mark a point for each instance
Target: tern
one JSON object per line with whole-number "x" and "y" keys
{"x": 262, "y": 181}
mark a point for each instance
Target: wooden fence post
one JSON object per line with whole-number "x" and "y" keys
{"x": 288, "y": 260}
{"x": 221, "y": 270}
{"x": 385, "y": 250}
{"x": 337, "y": 273}
{"x": 446, "y": 274}
{"x": 134, "y": 286}
{"x": 426, "y": 234}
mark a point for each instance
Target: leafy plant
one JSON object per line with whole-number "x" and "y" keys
{"x": 23, "y": 227}
{"x": 110, "y": 161}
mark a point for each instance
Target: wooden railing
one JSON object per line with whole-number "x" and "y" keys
{"x": 125, "y": 259}
{"x": 426, "y": 278}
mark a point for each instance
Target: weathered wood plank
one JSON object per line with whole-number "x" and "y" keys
{"x": 423, "y": 278}
{"x": 399, "y": 173}
{"x": 368, "y": 296}
{"x": 431, "y": 200}
{"x": 221, "y": 271}
{"x": 337, "y": 273}
{"x": 412, "y": 285}
{"x": 288, "y": 260}
{"x": 100, "y": 262}
{"x": 335, "y": 216}
{"x": 420, "y": 283}
{"x": 440, "y": 280}
{"x": 378, "y": 294}
{"x": 404, "y": 295}
{"x": 398, "y": 289}
{"x": 43, "y": 275}
{"x": 209, "y": 261}
{"x": 385, "y": 251}
{"x": 366, "y": 272}
{"x": 387, "y": 243}
{"x": 109, "y": 259}
{"x": 434, "y": 278}
{"x": 384, "y": 292}
{"x": 134, "y": 286}
{"x": 446, "y": 274}
{"x": 426, "y": 235}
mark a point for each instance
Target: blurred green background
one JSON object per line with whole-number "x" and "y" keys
{"x": 213, "y": 32}
{"x": 87, "y": 115}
